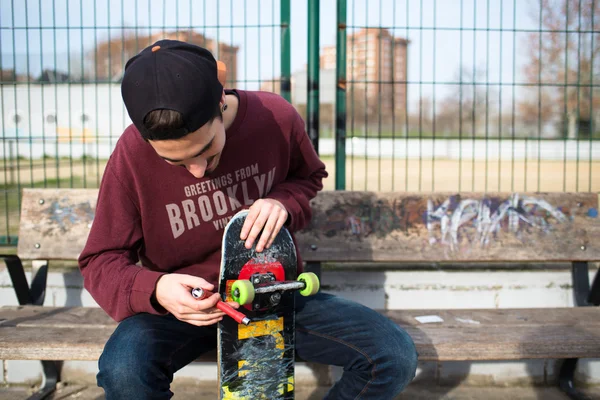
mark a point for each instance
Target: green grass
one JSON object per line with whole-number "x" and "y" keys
{"x": 74, "y": 182}
{"x": 387, "y": 133}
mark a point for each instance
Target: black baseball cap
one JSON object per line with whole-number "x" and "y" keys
{"x": 173, "y": 75}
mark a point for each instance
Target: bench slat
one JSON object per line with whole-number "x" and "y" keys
{"x": 27, "y": 343}
{"x": 497, "y": 334}
{"x": 405, "y": 227}
{"x": 55, "y": 317}
{"x": 55, "y": 223}
{"x": 504, "y": 334}
{"x": 369, "y": 226}
{"x": 81, "y": 344}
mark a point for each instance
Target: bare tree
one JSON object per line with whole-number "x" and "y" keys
{"x": 563, "y": 64}
{"x": 468, "y": 107}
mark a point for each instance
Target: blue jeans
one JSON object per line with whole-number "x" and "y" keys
{"x": 379, "y": 359}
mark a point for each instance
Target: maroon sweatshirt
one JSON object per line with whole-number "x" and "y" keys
{"x": 154, "y": 218}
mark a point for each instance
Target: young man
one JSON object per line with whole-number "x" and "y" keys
{"x": 194, "y": 156}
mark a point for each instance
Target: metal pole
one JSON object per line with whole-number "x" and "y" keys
{"x": 313, "y": 73}
{"x": 286, "y": 44}
{"x": 340, "y": 98}
{"x": 11, "y": 167}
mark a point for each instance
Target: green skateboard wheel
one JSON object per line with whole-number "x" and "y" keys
{"x": 312, "y": 283}
{"x": 242, "y": 292}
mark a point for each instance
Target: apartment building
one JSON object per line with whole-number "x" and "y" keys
{"x": 376, "y": 74}
{"x": 376, "y": 70}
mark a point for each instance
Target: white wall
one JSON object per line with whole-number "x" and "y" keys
{"x": 107, "y": 118}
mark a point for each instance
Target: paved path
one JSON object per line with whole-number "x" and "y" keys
{"x": 414, "y": 392}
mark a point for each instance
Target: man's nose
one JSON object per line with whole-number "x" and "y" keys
{"x": 197, "y": 168}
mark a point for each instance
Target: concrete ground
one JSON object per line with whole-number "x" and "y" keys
{"x": 420, "y": 391}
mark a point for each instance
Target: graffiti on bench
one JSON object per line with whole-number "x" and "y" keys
{"x": 488, "y": 217}
{"x": 64, "y": 214}
{"x": 448, "y": 220}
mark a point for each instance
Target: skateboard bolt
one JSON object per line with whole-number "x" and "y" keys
{"x": 256, "y": 280}
{"x": 198, "y": 293}
{"x": 275, "y": 298}
{"x": 256, "y": 306}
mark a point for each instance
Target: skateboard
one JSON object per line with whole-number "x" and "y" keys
{"x": 256, "y": 345}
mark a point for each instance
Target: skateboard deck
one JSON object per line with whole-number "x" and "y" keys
{"x": 256, "y": 361}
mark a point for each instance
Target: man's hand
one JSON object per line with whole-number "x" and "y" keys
{"x": 173, "y": 292}
{"x": 267, "y": 215}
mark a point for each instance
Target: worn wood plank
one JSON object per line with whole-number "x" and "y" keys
{"x": 460, "y": 318}
{"x": 83, "y": 344}
{"x": 370, "y": 226}
{"x": 55, "y": 317}
{"x": 56, "y": 333}
{"x": 34, "y": 333}
{"x": 55, "y": 223}
{"x": 32, "y": 343}
{"x": 504, "y": 334}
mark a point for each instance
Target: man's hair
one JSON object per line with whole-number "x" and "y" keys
{"x": 166, "y": 124}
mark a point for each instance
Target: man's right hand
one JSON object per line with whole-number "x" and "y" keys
{"x": 173, "y": 292}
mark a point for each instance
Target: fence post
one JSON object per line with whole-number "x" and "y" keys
{"x": 286, "y": 44}
{"x": 340, "y": 98}
{"x": 312, "y": 106}
{"x": 11, "y": 166}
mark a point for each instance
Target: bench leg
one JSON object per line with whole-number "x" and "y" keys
{"x": 566, "y": 381}
{"x": 594, "y": 297}
{"x": 50, "y": 379}
{"x": 39, "y": 277}
{"x": 582, "y": 294}
{"x": 314, "y": 267}
{"x": 34, "y": 295}
{"x": 18, "y": 278}
{"x": 580, "y": 274}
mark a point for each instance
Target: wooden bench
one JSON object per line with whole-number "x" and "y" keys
{"x": 361, "y": 227}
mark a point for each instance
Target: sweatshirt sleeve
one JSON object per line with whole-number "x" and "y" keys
{"x": 109, "y": 259}
{"x": 304, "y": 179}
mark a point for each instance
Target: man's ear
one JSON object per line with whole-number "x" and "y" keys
{"x": 222, "y": 72}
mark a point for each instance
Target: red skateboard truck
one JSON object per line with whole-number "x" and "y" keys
{"x": 243, "y": 292}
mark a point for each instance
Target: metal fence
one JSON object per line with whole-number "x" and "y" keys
{"x": 425, "y": 95}
{"x": 61, "y": 64}
{"x": 464, "y": 95}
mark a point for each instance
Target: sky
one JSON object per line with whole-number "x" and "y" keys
{"x": 54, "y": 31}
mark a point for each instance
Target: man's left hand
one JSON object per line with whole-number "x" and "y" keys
{"x": 267, "y": 215}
